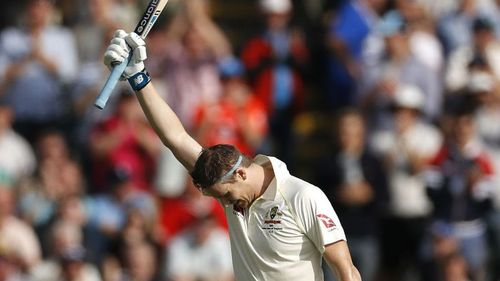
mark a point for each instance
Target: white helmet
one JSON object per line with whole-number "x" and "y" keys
{"x": 409, "y": 96}
{"x": 276, "y": 6}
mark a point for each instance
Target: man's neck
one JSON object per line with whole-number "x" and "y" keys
{"x": 267, "y": 177}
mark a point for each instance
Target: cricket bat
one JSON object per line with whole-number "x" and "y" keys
{"x": 148, "y": 19}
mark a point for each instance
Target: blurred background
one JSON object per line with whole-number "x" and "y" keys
{"x": 392, "y": 107}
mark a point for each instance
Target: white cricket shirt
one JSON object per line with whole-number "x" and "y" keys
{"x": 283, "y": 234}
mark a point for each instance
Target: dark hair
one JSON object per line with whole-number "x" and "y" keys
{"x": 214, "y": 162}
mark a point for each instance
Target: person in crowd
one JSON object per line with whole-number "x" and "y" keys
{"x": 18, "y": 159}
{"x": 276, "y": 60}
{"x": 124, "y": 139}
{"x": 38, "y": 197}
{"x": 484, "y": 44}
{"x": 424, "y": 42}
{"x": 356, "y": 182}
{"x": 176, "y": 214}
{"x": 196, "y": 44}
{"x": 107, "y": 212}
{"x": 398, "y": 66}
{"x": 140, "y": 263}
{"x": 16, "y": 236}
{"x": 201, "y": 252}
{"x": 459, "y": 183}
{"x": 405, "y": 150}
{"x": 455, "y": 27}
{"x": 239, "y": 118}
{"x": 67, "y": 258}
{"x": 36, "y": 61}
{"x": 348, "y": 34}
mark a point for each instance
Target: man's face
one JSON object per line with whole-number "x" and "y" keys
{"x": 230, "y": 193}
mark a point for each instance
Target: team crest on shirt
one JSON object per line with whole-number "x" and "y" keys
{"x": 272, "y": 220}
{"x": 327, "y": 221}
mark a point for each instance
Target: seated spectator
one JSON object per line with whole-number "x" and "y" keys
{"x": 202, "y": 252}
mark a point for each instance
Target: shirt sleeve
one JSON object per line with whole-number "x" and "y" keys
{"x": 318, "y": 218}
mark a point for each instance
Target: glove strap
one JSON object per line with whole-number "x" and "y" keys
{"x": 139, "y": 80}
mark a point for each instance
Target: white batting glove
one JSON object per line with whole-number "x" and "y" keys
{"x": 119, "y": 48}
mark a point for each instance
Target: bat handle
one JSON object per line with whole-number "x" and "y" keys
{"x": 110, "y": 84}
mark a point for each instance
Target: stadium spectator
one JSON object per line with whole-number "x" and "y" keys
{"x": 179, "y": 213}
{"x": 356, "y": 183}
{"x": 349, "y": 32}
{"x": 107, "y": 213}
{"x": 124, "y": 140}
{"x": 276, "y": 60}
{"x": 17, "y": 238}
{"x": 484, "y": 44}
{"x": 455, "y": 28}
{"x": 405, "y": 150}
{"x": 398, "y": 66}
{"x": 201, "y": 252}
{"x": 424, "y": 44}
{"x": 194, "y": 49}
{"x": 460, "y": 185}
{"x": 140, "y": 263}
{"x": 67, "y": 258}
{"x": 36, "y": 61}
{"x": 38, "y": 197}
{"x": 238, "y": 118}
{"x": 18, "y": 159}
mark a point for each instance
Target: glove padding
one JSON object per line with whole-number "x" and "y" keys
{"x": 119, "y": 48}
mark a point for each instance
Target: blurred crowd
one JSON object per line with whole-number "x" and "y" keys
{"x": 390, "y": 106}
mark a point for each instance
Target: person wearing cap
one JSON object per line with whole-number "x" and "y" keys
{"x": 238, "y": 118}
{"x": 280, "y": 226}
{"x": 405, "y": 149}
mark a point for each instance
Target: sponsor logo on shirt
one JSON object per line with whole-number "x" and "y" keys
{"x": 272, "y": 220}
{"x": 327, "y": 221}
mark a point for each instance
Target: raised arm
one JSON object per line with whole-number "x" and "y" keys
{"x": 168, "y": 127}
{"x": 161, "y": 117}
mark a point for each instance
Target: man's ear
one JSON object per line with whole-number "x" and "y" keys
{"x": 241, "y": 172}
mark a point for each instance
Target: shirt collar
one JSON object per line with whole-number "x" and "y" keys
{"x": 280, "y": 174}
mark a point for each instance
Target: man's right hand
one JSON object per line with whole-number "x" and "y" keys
{"x": 119, "y": 48}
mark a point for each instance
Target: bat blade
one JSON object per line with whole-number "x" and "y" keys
{"x": 148, "y": 19}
